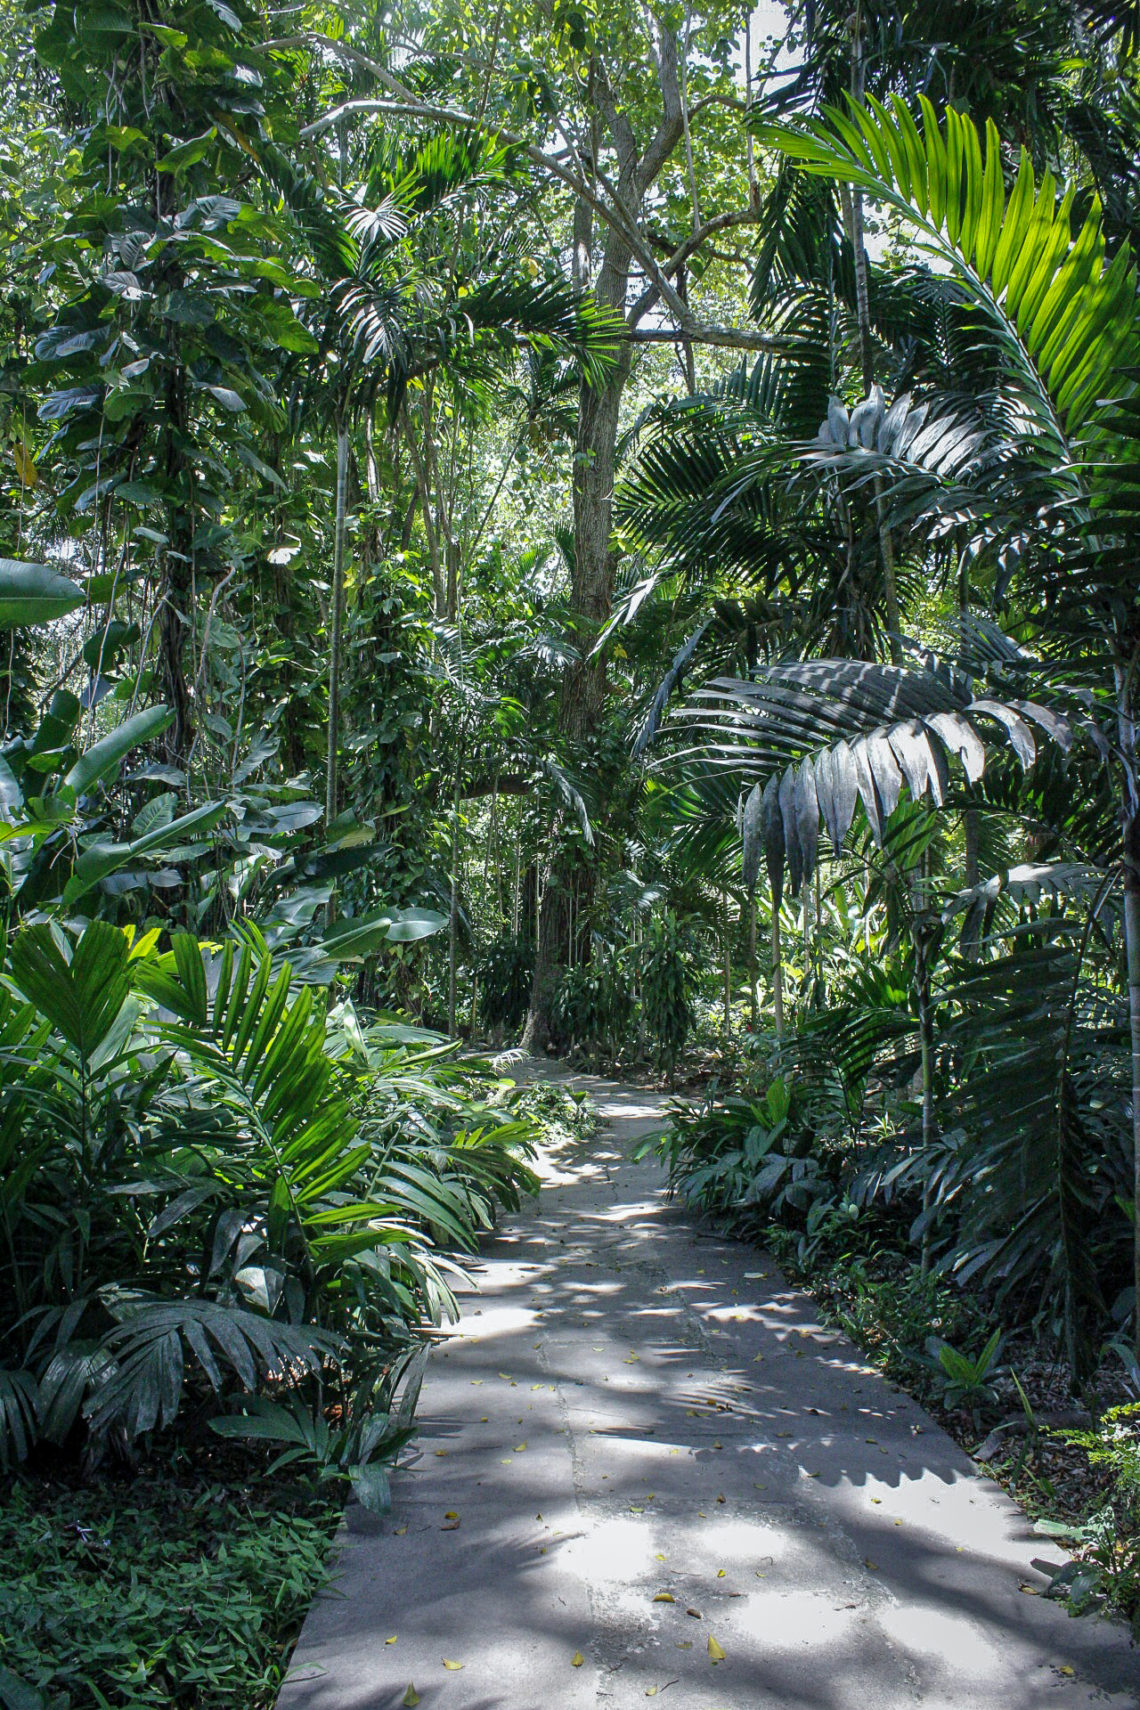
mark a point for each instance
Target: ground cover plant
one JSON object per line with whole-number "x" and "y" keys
{"x": 191, "y": 1593}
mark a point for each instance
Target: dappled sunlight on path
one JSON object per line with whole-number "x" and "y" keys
{"x": 641, "y": 1450}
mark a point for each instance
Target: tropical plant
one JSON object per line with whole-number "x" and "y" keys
{"x": 667, "y": 977}
{"x": 227, "y": 1131}
{"x": 1030, "y": 457}
{"x": 962, "y": 1381}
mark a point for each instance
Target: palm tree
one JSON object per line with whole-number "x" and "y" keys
{"x": 1039, "y": 477}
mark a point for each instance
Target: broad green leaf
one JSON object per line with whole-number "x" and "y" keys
{"x": 79, "y": 987}
{"x": 99, "y": 860}
{"x": 103, "y": 759}
{"x": 188, "y": 153}
{"x": 33, "y": 593}
{"x": 350, "y": 939}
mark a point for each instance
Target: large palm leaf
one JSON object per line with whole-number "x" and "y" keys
{"x": 1062, "y": 312}
{"x": 822, "y": 737}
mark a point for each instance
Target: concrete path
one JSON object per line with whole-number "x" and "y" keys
{"x": 646, "y": 1470}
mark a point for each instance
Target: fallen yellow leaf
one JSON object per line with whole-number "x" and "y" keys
{"x": 1065, "y": 1669}
{"x": 651, "y": 1692}
{"x": 410, "y": 1698}
{"x": 400, "y": 1530}
{"x": 392, "y": 1640}
{"x": 720, "y": 1573}
{"x": 660, "y": 1556}
{"x": 451, "y": 1515}
{"x": 25, "y": 465}
{"x": 447, "y": 1663}
{"x": 577, "y": 1660}
{"x": 519, "y": 1447}
{"x": 715, "y": 1653}
{"x": 664, "y": 1597}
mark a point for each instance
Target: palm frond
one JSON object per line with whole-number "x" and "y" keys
{"x": 825, "y": 736}
{"x": 1065, "y": 314}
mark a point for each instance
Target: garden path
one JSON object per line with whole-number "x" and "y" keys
{"x": 643, "y": 1452}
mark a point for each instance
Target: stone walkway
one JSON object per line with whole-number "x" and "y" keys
{"x": 646, "y": 1470}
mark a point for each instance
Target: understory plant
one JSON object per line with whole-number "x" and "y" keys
{"x": 185, "y": 1595}
{"x": 212, "y": 1197}
{"x": 1106, "y": 1562}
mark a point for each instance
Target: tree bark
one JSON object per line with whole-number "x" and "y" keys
{"x": 337, "y": 623}
{"x": 582, "y": 702}
{"x": 854, "y": 206}
{"x": 1130, "y": 851}
{"x": 777, "y": 977}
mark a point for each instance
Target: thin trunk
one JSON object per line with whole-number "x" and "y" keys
{"x": 337, "y": 624}
{"x": 753, "y": 970}
{"x": 926, "y": 1041}
{"x": 517, "y": 896}
{"x": 777, "y": 977}
{"x": 753, "y": 181}
{"x": 867, "y": 356}
{"x": 453, "y": 912}
{"x": 1126, "y": 727}
{"x": 971, "y": 827}
{"x": 584, "y": 687}
{"x": 726, "y": 926}
{"x": 920, "y": 931}
{"x": 1132, "y": 951}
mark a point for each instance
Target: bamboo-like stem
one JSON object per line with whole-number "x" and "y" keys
{"x": 337, "y": 628}
{"x": 777, "y": 975}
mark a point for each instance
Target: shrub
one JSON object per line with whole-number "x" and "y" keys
{"x": 205, "y": 1194}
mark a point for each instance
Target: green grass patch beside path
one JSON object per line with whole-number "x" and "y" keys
{"x": 165, "y": 1592}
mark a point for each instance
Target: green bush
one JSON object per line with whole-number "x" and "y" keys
{"x": 745, "y": 1159}
{"x": 1107, "y": 1544}
{"x": 185, "y": 1595}
{"x": 668, "y": 982}
{"x": 505, "y": 971}
{"x": 204, "y": 1186}
{"x": 593, "y": 1006}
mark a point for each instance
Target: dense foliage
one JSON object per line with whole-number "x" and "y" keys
{"x": 569, "y": 525}
{"x": 191, "y": 1594}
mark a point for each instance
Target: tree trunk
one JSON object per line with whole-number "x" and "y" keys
{"x": 453, "y": 918}
{"x": 726, "y": 927}
{"x": 926, "y": 1042}
{"x": 176, "y": 615}
{"x": 599, "y": 407}
{"x": 584, "y": 687}
{"x": 777, "y": 976}
{"x": 1130, "y": 850}
{"x": 753, "y": 970}
{"x": 854, "y": 206}
{"x": 337, "y": 624}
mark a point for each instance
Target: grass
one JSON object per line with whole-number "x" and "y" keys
{"x": 165, "y": 1590}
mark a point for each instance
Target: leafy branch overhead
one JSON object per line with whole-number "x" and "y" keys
{"x": 1063, "y": 313}
{"x": 828, "y": 736}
